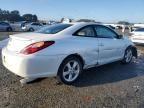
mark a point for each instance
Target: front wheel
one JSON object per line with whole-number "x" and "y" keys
{"x": 31, "y": 30}
{"x": 9, "y": 29}
{"x": 70, "y": 70}
{"x": 128, "y": 56}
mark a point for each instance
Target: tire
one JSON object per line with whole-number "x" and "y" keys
{"x": 128, "y": 56}
{"x": 70, "y": 70}
{"x": 31, "y": 29}
{"x": 9, "y": 29}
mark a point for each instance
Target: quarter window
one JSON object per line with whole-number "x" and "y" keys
{"x": 86, "y": 32}
{"x": 104, "y": 32}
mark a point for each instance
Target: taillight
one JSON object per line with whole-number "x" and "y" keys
{"x": 35, "y": 47}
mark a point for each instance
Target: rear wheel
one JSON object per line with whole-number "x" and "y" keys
{"x": 9, "y": 29}
{"x": 128, "y": 56}
{"x": 70, "y": 70}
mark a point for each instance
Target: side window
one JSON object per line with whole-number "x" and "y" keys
{"x": 104, "y": 32}
{"x": 33, "y": 24}
{"x": 86, "y": 32}
{"x": 5, "y": 24}
{"x": 39, "y": 24}
{"x": 36, "y": 24}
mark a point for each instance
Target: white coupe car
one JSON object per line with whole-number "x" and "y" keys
{"x": 137, "y": 36}
{"x": 64, "y": 50}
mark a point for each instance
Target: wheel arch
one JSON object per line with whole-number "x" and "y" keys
{"x": 31, "y": 28}
{"x": 9, "y": 28}
{"x": 134, "y": 50}
{"x": 72, "y": 55}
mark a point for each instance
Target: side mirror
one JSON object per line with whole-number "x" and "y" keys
{"x": 120, "y": 36}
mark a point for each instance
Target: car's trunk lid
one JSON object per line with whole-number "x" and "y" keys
{"x": 18, "y": 42}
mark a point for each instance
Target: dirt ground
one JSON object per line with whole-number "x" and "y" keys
{"x": 110, "y": 86}
{"x": 4, "y": 35}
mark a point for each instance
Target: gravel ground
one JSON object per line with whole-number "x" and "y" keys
{"x": 109, "y": 86}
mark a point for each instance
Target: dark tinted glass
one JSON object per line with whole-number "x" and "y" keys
{"x": 53, "y": 29}
{"x": 140, "y": 29}
{"x": 3, "y": 23}
{"x": 104, "y": 32}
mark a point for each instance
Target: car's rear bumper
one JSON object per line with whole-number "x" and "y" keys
{"x": 31, "y": 66}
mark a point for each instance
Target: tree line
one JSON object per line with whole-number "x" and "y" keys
{"x": 14, "y": 16}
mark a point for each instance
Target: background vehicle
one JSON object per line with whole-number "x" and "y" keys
{"x": 4, "y": 26}
{"x": 137, "y": 26}
{"x": 137, "y": 36}
{"x": 18, "y": 25}
{"x": 112, "y": 27}
{"x": 32, "y": 26}
{"x": 64, "y": 50}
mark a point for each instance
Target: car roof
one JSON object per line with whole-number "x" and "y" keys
{"x": 84, "y": 23}
{"x": 76, "y": 26}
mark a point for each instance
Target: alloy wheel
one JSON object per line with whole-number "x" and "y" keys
{"x": 71, "y": 71}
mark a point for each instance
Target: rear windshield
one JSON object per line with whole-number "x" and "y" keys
{"x": 140, "y": 30}
{"x": 53, "y": 29}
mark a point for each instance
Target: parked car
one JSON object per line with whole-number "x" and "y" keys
{"x": 64, "y": 50}
{"x": 136, "y": 26}
{"x": 32, "y": 26}
{"x": 4, "y": 26}
{"x": 137, "y": 36}
{"x": 17, "y": 26}
{"x": 52, "y": 22}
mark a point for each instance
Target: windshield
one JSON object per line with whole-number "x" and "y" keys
{"x": 53, "y": 29}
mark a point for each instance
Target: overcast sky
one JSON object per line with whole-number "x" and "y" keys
{"x": 100, "y": 10}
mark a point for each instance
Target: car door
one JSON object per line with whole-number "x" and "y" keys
{"x": 39, "y": 26}
{"x": 111, "y": 47}
{"x": 33, "y": 26}
{"x": 36, "y": 26}
{"x": 2, "y": 26}
{"x": 88, "y": 44}
{"x": 5, "y": 26}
